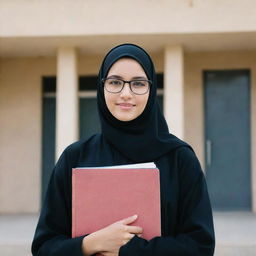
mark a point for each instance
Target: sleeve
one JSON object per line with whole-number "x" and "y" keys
{"x": 195, "y": 231}
{"x": 53, "y": 232}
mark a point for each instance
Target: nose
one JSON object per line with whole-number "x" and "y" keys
{"x": 126, "y": 92}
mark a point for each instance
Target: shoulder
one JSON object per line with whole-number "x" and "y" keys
{"x": 186, "y": 155}
{"x": 77, "y": 146}
{"x": 187, "y": 163}
{"x": 182, "y": 152}
{"x": 71, "y": 154}
{"x": 74, "y": 150}
{"x": 190, "y": 175}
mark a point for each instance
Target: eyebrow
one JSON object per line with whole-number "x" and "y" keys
{"x": 133, "y": 78}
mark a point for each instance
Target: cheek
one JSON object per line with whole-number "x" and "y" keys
{"x": 143, "y": 102}
{"x": 109, "y": 99}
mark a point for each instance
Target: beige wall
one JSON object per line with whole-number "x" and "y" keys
{"x": 93, "y": 17}
{"x": 89, "y": 65}
{"x": 20, "y": 116}
{"x": 20, "y": 132}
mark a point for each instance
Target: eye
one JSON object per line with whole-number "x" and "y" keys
{"x": 138, "y": 83}
{"x": 115, "y": 82}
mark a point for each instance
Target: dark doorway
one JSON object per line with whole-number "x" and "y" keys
{"x": 48, "y": 130}
{"x": 227, "y": 136}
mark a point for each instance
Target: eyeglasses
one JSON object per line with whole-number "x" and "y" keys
{"x": 114, "y": 85}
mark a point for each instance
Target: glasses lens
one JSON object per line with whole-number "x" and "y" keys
{"x": 140, "y": 86}
{"x": 113, "y": 85}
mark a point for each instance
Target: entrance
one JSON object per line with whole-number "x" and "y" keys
{"x": 227, "y": 136}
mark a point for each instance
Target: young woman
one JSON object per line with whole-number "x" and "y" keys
{"x": 133, "y": 131}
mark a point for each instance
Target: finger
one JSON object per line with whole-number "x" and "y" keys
{"x": 129, "y": 220}
{"x": 128, "y": 238}
{"x": 134, "y": 229}
{"x": 108, "y": 254}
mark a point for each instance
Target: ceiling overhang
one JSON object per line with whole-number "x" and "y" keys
{"x": 100, "y": 44}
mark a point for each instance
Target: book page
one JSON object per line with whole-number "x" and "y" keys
{"x": 149, "y": 165}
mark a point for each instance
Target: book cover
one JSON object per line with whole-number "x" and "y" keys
{"x": 104, "y": 195}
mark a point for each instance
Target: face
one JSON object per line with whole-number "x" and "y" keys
{"x": 126, "y": 106}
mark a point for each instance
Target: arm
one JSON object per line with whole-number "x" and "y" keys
{"x": 107, "y": 241}
{"x": 53, "y": 232}
{"x": 195, "y": 233}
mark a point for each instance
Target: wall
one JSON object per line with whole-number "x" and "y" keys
{"x": 20, "y": 117}
{"x": 20, "y": 132}
{"x": 93, "y": 17}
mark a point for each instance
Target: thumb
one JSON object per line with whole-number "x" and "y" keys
{"x": 129, "y": 220}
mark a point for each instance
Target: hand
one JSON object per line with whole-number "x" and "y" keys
{"x": 117, "y": 234}
{"x": 107, "y": 241}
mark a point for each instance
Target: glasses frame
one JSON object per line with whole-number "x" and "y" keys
{"x": 103, "y": 80}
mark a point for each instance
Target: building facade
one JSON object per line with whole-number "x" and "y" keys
{"x": 205, "y": 57}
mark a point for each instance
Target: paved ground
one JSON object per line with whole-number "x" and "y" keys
{"x": 16, "y": 233}
{"x": 235, "y": 234}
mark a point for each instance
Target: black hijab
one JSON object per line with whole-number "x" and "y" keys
{"x": 146, "y": 137}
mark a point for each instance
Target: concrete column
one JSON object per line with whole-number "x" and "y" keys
{"x": 66, "y": 99}
{"x": 174, "y": 89}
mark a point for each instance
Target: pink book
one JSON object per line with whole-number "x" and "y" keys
{"x": 102, "y": 196}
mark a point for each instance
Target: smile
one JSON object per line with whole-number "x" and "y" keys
{"x": 125, "y": 106}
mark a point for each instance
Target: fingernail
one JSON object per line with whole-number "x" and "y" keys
{"x": 135, "y": 216}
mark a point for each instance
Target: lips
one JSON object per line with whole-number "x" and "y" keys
{"x": 125, "y": 105}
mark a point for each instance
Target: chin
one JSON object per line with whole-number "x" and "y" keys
{"x": 124, "y": 118}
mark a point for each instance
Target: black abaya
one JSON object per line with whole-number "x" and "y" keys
{"x": 187, "y": 227}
